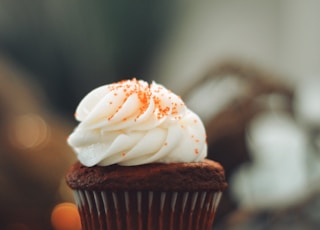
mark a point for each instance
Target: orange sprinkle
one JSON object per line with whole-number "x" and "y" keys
{"x": 123, "y": 154}
{"x": 110, "y": 102}
{"x": 196, "y": 151}
{"x": 145, "y": 94}
{"x": 165, "y": 144}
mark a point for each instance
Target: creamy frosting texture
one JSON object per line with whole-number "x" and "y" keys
{"x": 132, "y": 122}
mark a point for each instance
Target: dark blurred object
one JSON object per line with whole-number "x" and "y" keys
{"x": 73, "y": 46}
{"x": 304, "y": 216}
{"x": 33, "y": 154}
{"x": 226, "y": 127}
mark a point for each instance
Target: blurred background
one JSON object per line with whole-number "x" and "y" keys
{"x": 249, "y": 68}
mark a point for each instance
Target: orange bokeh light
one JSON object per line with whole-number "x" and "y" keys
{"x": 65, "y": 216}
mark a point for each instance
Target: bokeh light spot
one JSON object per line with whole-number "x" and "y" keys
{"x": 29, "y": 131}
{"x": 65, "y": 216}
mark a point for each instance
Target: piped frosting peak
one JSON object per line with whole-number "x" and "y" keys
{"x": 132, "y": 122}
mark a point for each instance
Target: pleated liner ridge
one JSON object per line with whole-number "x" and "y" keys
{"x": 145, "y": 210}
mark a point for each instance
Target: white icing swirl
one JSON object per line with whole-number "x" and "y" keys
{"x": 134, "y": 123}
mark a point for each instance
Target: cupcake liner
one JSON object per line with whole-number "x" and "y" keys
{"x": 147, "y": 210}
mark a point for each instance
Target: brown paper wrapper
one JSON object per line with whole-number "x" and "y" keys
{"x": 147, "y": 210}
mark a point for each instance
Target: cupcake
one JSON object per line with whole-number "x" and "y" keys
{"x": 142, "y": 161}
